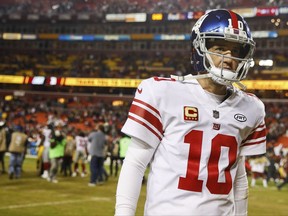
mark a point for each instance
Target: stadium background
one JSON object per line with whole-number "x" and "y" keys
{"x": 78, "y": 56}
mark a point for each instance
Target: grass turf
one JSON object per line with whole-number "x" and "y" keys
{"x": 33, "y": 196}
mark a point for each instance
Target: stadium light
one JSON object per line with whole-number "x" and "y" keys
{"x": 266, "y": 63}
{"x": 55, "y": 7}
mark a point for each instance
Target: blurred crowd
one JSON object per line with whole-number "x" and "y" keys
{"x": 131, "y": 65}
{"x": 100, "y": 7}
{"x": 126, "y": 65}
{"x": 63, "y": 137}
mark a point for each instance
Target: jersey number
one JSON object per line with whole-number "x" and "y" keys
{"x": 191, "y": 181}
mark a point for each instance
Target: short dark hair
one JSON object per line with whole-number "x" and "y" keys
{"x": 101, "y": 127}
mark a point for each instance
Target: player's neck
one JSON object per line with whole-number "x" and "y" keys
{"x": 208, "y": 85}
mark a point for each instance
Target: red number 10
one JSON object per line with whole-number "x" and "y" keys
{"x": 191, "y": 181}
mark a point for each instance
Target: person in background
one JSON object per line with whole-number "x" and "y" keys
{"x": 56, "y": 153}
{"x": 3, "y": 145}
{"x": 124, "y": 142}
{"x": 68, "y": 154}
{"x": 114, "y": 156}
{"x": 17, "y": 149}
{"x": 272, "y": 172}
{"x": 284, "y": 166}
{"x": 80, "y": 154}
{"x": 47, "y": 132}
{"x": 40, "y": 138}
{"x": 97, "y": 141}
{"x": 258, "y": 169}
{"x": 196, "y": 130}
{"x": 105, "y": 175}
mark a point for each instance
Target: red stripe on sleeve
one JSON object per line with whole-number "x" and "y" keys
{"x": 256, "y": 135}
{"x": 147, "y": 105}
{"x": 254, "y": 143}
{"x": 145, "y": 125}
{"x": 143, "y": 113}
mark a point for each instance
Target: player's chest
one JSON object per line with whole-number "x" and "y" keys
{"x": 192, "y": 115}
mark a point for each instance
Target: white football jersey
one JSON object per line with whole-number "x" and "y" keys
{"x": 198, "y": 143}
{"x": 81, "y": 143}
{"x": 47, "y": 134}
{"x": 259, "y": 164}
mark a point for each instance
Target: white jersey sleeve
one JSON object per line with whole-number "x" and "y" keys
{"x": 241, "y": 189}
{"x": 255, "y": 143}
{"x": 144, "y": 119}
{"x": 137, "y": 158}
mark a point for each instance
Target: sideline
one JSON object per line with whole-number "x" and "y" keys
{"x": 105, "y": 199}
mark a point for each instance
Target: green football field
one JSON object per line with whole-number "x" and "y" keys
{"x": 31, "y": 196}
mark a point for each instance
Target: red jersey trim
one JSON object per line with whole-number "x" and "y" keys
{"x": 147, "y": 105}
{"x": 256, "y": 134}
{"x": 145, "y": 125}
{"x": 143, "y": 113}
{"x": 146, "y": 114}
{"x": 254, "y": 143}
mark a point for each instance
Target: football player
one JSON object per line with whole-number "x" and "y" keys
{"x": 80, "y": 154}
{"x": 196, "y": 130}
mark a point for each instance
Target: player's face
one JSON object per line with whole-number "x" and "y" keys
{"x": 226, "y": 49}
